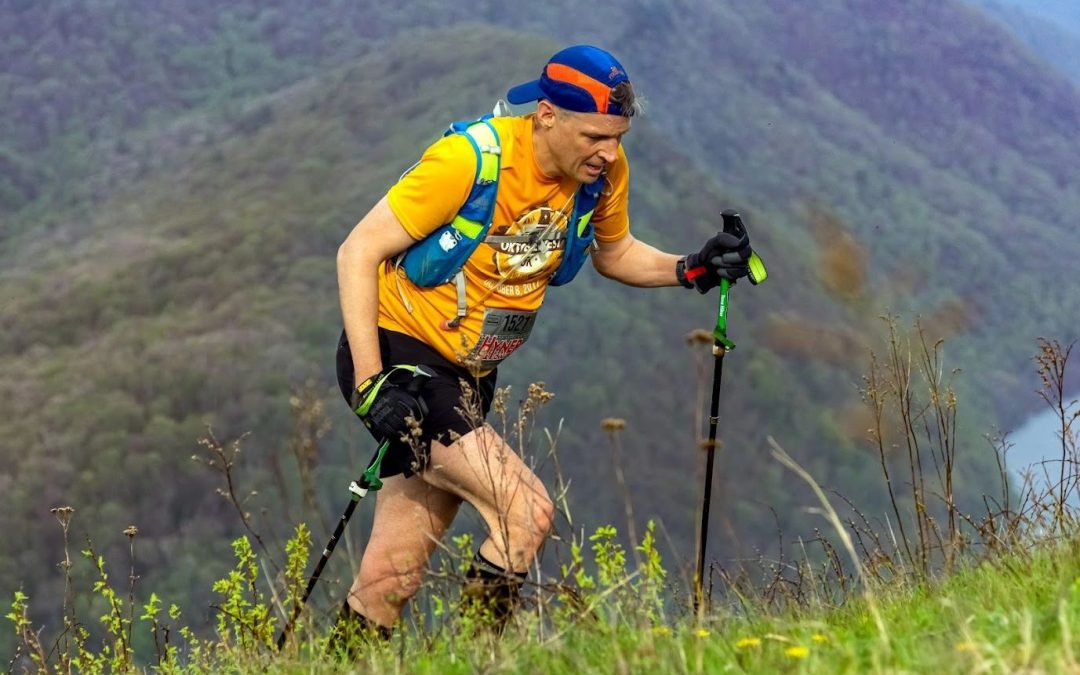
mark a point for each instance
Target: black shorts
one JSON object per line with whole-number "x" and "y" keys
{"x": 442, "y": 394}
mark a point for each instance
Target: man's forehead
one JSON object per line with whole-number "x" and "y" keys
{"x": 605, "y": 124}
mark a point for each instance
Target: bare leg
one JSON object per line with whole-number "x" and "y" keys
{"x": 484, "y": 471}
{"x": 412, "y": 514}
{"x": 410, "y": 518}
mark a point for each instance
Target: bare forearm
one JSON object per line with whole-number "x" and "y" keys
{"x": 358, "y": 290}
{"x": 378, "y": 236}
{"x": 639, "y": 264}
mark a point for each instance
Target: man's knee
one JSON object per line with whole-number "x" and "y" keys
{"x": 543, "y": 516}
{"x": 383, "y": 581}
{"x": 529, "y": 524}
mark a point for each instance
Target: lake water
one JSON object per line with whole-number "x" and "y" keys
{"x": 1037, "y": 440}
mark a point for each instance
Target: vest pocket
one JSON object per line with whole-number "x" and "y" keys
{"x": 435, "y": 259}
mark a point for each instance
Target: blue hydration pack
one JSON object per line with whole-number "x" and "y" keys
{"x": 438, "y": 258}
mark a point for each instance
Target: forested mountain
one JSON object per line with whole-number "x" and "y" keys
{"x": 175, "y": 179}
{"x": 1051, "y": 32}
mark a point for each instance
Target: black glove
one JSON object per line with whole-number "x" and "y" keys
{"x": 725, "y": 256}
{"x": 383, "y": 401}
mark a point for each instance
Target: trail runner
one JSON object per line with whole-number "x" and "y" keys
{"x": 565, "y": 153}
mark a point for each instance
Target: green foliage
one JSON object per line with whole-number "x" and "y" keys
{"x": 18, "y": 612}
{"x": 609, "y": 556}
{"x": 166, "y": 653}
{"x": 1015, "y": 612}
{"x": 243, "y": 620}
{"x": 650, "y": 586}
{"x": 296, "y": 560}
{"x": 605, "y": 586}
{"x": 28, "y": 639}
{"x": 115, "y": 655}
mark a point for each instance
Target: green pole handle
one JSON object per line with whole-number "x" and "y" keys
{"x": 720, "y": 332}
{"x": 757, "y": 275}
{"x": 370, "y": 478}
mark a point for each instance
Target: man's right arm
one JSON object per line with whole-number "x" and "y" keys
{"x": 378, "y": 236}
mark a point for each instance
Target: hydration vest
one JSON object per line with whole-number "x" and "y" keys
{"x": 439, "y": 258}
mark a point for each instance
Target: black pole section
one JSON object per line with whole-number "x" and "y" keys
{"x": 714, "y": 410}
{"x": 298, "y": 606}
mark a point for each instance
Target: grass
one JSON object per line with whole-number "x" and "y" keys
{"x": 1013, "y": 615}
{"x": 995, "y": 593}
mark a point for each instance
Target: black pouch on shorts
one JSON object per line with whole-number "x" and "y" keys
{"x": 442, "y": 394}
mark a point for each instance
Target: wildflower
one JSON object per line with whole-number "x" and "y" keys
{"x": 661, "y": 630}
{"x": 498, "y": 401}
{"x": 539, "y": 394}
{"x": 748, "y": 642}
{"x": 965, "y": 647}
{"x": 701, "y": 632}
{"x": 612, "y": 424}
{"x": 819, "y": 638}
{"x": 797, "y": 652}
{"x": 63, "y": 514}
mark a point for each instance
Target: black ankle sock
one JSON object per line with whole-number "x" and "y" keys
{"x": 494, "y": 589}
{"x": 483, "y": 568}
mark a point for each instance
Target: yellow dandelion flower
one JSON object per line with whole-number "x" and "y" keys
{"x": 701, "y": 632}
{"x": 819, "y": 638}
{"x": 965, "y": 647}
{"x": 797, "y": 652}
{"x": 748, "y": 642}
{"x": 661, "y": 630}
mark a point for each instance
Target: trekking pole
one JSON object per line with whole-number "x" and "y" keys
{"x": 359, "y": 488}
{"x": 721, "y": 346}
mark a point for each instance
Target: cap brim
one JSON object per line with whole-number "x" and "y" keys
{"x": 524, "y": 93}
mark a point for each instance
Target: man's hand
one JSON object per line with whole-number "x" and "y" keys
{"x": 385, "y": 400}
{"x": 724, "y": 256}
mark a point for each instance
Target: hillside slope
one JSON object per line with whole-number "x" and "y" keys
{"x": 187, "y": 274}
{"x": 926, "y": 127}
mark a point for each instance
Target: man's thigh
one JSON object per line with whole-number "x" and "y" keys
{"x": 486, "y": 472}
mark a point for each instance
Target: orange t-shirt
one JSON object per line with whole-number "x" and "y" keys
{"x": 432, "y": 193}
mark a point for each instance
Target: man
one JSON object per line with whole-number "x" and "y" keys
{"x": 551, "y": 166}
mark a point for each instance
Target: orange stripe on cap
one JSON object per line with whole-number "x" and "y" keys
{"x": 597, "y": 89}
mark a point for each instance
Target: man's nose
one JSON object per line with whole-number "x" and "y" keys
{"x": 609, "y": 150}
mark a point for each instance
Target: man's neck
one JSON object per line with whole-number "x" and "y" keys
{"x": 545, "y": 162}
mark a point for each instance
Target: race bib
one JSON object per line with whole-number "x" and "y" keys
{"x": 502, "y": 332}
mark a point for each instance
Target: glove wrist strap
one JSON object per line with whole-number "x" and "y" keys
{"x": 363, "y": 387}
{"x": 686, "y": 275}
{"x": 364, "y": 394}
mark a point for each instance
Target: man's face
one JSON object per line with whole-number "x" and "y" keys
{"x": 584, "y": 144}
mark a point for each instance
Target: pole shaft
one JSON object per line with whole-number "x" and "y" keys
{"x": 318, "y": 569}
{"x": 703, "y": 532}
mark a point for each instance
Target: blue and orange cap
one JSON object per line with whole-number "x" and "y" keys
{"x": 578, "y": 78}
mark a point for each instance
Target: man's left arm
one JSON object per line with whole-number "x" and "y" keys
{"x": 635, "y": 263}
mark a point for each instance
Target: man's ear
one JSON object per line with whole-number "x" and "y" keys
{"x": 545, "y": 113}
